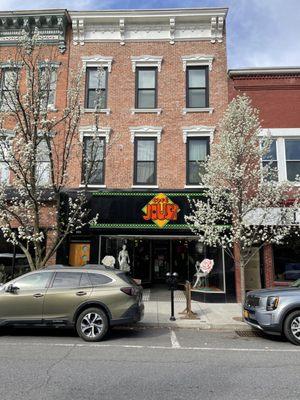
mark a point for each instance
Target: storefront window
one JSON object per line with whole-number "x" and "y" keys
{"x": 287, "y": 262}
{"x": 151, "y": 259}
{"x": 212, "y": 281}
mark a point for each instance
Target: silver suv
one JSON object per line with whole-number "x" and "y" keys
{"x": 275, "y": 310}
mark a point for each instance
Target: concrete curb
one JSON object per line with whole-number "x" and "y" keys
{"x": 196, "y": 325}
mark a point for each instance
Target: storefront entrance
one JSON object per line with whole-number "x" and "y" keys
{"x": 160, "y": 260}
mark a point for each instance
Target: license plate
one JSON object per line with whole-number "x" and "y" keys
{"x": 246, "y": 314}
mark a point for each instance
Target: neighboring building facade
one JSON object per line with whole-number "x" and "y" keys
{"x": 275, "y": 92}
{"x": 162, "y": 75}
{"x": 54, "y": 29}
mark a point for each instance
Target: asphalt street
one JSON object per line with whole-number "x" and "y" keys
{"x": 142, "y": 364}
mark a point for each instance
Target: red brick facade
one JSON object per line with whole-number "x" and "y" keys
{"x": 276, "y": 94}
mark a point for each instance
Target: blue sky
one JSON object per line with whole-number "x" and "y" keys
{"x": 260, "y": 32}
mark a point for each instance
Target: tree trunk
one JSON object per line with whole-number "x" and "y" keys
{"x": 239, "y": 263}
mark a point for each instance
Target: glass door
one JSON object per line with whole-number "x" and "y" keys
{"x": 160, "y": 260}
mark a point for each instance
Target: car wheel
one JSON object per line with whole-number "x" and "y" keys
{"x": 292, "y": 327}
{"x": 92, "y": 324}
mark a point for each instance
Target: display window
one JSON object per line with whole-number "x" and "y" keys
{"x": 287, "y": 262}
{"x": 149, "y": 259}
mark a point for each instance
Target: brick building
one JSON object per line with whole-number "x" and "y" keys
{"x": 55, "y": 35}
{"x": 276, "y": 93}
{"x": 163, "y": 80}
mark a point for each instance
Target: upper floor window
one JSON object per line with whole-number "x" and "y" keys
{"x": 43, "y": 164}
{"x": 283, "y": 158}
{"x": 96, "y": 87}
{"x": 292, "y": 156}
{"x": 48, "y": 79}
{"x": 146, "y": 87}
{"x": 4, "y": 169}
{"x": 197, "y": 151}
{"x": 8, "y": 89}
{"x": 93, "y": 160}
{"x": 270, "y": 163}
{"x": 197, "y": 87}
{"x": 145, "y": 159}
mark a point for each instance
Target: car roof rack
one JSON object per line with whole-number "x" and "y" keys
{"x": 99, "y": 267}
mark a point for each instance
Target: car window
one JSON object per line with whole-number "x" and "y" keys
{"x": 85, "y": 280}
{"x": 34, "y": 281}
{"x": 66, "y": 279}
{"x": 99, "y": 279}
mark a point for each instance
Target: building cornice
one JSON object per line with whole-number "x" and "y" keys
{"x": 148, "y": 25}
{"x": 244, "y": 72}
{"x": 51, "y": 25}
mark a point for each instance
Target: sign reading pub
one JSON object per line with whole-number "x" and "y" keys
{"x": 160, "y": 210}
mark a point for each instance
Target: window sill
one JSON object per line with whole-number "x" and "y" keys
{"x": 92, "y": 186}
{"x": 101, "y": 111}
{"x": 193, "y": 186}
{"x": 144, "y": 186}
{"x": 197, "y": 110}
{"x": 146, "y": 111}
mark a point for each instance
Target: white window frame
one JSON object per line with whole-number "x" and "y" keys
{"x": 10, "y": 67}
{"x": 7, "y": 135}
{"x": 197, "y": 131}
{"x": 92, "y": 131}
{"x": 54, "y": 67}
{"x": 280, "y": 135}
{"x": 198, "y": 60}
{"x": 98, "y": 61}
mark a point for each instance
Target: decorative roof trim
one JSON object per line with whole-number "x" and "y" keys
{"x": 51, "y": 25}
{"x": 197, "y": 59}
{"x": 146, "y": 61}
{"x": 170, "y": 25}
{"x": 198, "y": 131}
{"x": 146, "y": 131}
{"x": 95, "y": 61}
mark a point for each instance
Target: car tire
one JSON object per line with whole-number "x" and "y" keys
{"x": 292, "y": 326}
{"x": 92, "y": 324}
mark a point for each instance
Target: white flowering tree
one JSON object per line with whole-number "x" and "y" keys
{"x": 245, "y": 205}
{"x": 38, "y": 149}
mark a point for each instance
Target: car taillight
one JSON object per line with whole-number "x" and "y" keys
{"x": 128, "y": 290}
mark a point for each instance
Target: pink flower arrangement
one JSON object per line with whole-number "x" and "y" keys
{"x": 206, "y": 265}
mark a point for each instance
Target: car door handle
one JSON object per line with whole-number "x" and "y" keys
{"x": 81, "y": 293}
{"x": 37, "y": 295}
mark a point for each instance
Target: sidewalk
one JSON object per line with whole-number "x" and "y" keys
{"x": 219, "y": 316}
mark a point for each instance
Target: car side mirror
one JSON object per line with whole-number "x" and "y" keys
{"x": 11, "y": 288}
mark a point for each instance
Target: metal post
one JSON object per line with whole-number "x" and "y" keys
{"x": 171, "y": 281}
{"x": 172, "y": 318}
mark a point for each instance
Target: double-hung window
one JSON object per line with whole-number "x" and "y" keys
{"x": 43, "y": 164}
{"x": 270, "y": 163}
{"x": 4, "y": 169}
{"x": 197, "y": 151}
{"x": 96, "y": 88}
{"x": 146, "y": 87}
{"x": 145, "y": 159}
{"x": 48, "y": 79}
{"x": 292, "y": 156}
{"x": 283, "y": 158}
{"x": 197, "y": 87}
{"x": 8, "y": 89}
{"x": 93, "y": 160}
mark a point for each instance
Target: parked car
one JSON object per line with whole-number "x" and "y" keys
{"x": 91, "y": 298}
{"x": 275, "y": 311}
{"x": 7, "y": 271}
